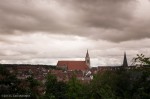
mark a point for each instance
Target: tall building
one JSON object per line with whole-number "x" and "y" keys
{"x": 125, "y": 63}
{"x": 87, "y": 59}
{"x": 75, "y": 65}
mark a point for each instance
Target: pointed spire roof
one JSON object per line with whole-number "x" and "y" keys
{"x": 125, "y": 63}
{"x": 87, "y": 54}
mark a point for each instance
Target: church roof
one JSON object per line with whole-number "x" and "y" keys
{"x": 73, "y": 65}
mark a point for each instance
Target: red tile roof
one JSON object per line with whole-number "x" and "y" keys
{"x": 73, "y": 65}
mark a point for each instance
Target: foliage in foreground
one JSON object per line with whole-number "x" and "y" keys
{"x": 123, "y": 84}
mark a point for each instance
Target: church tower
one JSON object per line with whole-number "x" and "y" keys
{"x": 87, "y": 59}
{"x": 125, "y": 63}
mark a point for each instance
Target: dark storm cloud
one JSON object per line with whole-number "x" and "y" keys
{"x": 104, "y": 13}
{"x": 25, "y": 15}
{"x": 112, "y": 20}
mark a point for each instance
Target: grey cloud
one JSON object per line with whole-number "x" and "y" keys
{"x": 111, "y": 20}
{"x": 25, "y": 16}
{"x": 104, "y": 13}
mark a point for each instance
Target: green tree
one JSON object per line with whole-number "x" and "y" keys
{"x": 33, "y": 87}
{"x": 74, "y": 89}
{"x": 55, "y": 89}
{"x": 142, "y": 59}
{"x": 4, "y": 71}
{"x": 101, "y": 86}
{"x": 141, "y": 87}
{"x": 8, "y": 83}
{"x": 111, "y": 85}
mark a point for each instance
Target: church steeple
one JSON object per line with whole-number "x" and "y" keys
{"x": 87, "y": 59}
{"x": 125, "y": 63}
{"x": 87, "y": 54}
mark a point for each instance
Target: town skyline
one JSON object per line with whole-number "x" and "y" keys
{"x": 123, "y": 63}
{"x": 45, "y": 31}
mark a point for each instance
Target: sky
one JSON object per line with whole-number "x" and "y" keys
{"x": 45, "y": 31}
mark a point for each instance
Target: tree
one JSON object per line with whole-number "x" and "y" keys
{"x": 55, "y": 89}
{"x": 111, "y": 85}
{"x": 101, "y": 86}
{"x": 74, "y": 88}
{"x": 141, "y": 87}
{"x": 4, "y": 71}
{"x": 142, "y": 59}
{"x": 33, "y": 87}
{"x": 8, "y": 82}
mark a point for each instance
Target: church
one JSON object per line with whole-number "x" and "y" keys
{"x": 75, "y": 65}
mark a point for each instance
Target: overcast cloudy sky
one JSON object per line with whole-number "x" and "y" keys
{"x": 44, "y": 31}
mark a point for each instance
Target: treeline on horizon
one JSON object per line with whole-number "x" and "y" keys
{"x": 29, "y": 65}
{"x": 26, "y": 65}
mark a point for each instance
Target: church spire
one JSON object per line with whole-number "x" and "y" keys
{"x": 87, "y": 59}
{"x": 87, "y": 54}
{"x": 125, "y": 63}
